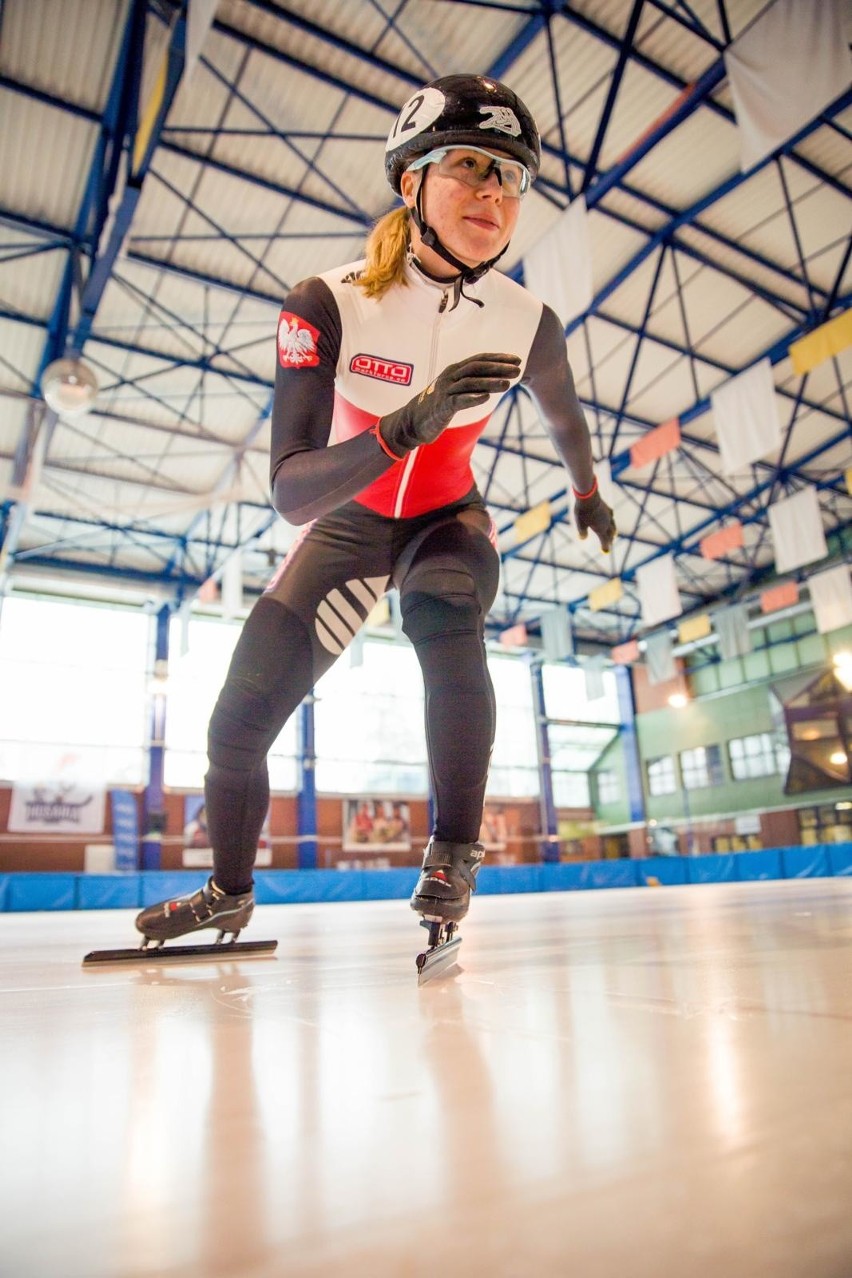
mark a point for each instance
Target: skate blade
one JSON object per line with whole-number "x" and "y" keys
{"x": 437, "y": 960}
{"x": 179, "y": 953}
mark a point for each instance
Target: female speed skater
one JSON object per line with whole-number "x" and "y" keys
{"x": 397, "y": 360}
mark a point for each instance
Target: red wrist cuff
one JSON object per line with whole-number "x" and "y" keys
{"x": 374, "y": 430}
{"x": 590, "y": 493}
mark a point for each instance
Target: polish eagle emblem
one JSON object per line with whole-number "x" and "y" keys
{"x": 297, "y": 342}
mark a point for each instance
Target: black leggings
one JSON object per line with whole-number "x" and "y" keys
{"x": 446, "y": 570}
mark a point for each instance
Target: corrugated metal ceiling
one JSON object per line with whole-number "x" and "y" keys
{"x": 267, "y": 168}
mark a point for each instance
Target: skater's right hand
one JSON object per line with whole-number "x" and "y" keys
{"x": 462, "y": 385}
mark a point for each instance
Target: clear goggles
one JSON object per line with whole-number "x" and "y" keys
{"x": 473, "y": 166}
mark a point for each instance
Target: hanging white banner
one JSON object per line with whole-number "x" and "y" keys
{"x": 745, "y": 416}
{"x": 787, "y": 67}
{"x": 658, "y": 592}
{"x": 797, "y": 533}
{"x": 558, "y": 269}
{"x": 831, "y": 596}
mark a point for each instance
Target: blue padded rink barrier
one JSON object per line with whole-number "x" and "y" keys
{"x": 71, "y": 891}
{"x": 651, "y": 1081}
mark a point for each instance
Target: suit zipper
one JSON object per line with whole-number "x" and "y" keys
{"x": 412, "y": 456}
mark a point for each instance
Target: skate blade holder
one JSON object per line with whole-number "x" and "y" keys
{"x": 180, "y": 953}
{"x": 443, "y": 949}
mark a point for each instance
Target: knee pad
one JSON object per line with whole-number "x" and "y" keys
{"x": 450, "y": 584}
{"x": 444, "y": 606}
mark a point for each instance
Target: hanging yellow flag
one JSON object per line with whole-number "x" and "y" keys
{"x": 849, "y": 481}
{"x": 609, "y": 593}
{"x": 694, "y": 628}
{"x": 827, "y": 340}
{"x": 532, "y": 521}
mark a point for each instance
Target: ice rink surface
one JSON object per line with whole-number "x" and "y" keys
{"x": 635, "y": 1083}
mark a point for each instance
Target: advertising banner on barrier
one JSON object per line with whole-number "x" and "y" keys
{"x": 57, "y": 806}
{"x": 125, "y": 829}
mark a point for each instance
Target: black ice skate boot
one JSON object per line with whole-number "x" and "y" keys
{"x": 446, "y": 881}
{"x": 208, "y": 907}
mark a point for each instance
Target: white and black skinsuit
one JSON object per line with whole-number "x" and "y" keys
{"x": 345, "y": 361}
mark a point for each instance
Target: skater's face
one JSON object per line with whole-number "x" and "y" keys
{"x": 474, "y": 222}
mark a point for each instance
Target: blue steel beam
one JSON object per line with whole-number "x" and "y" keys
{"x": 687, "y": 215}
{"x": 634, "y": 360}
{"x": 284, "y": 139}
{"x": 278, "y": 188}
{"x": 690, "y": 543}
{"x": 325, "y": 77}
{"x": 89, "y": 219}
{"x": 519, "y": 43}
{"x": 621, "y": 461}
{"x": 100, "y": 183}
{"x": 141, "y": 144}
{"x": 331, "y": 38}
{"x": 564, "y": 151}
{"x": 496, "y": 70}
{"x": 153, "y": 799}
{"x": 694, "y": 27}
{"x": 612, "y": 93}
{"x": 578, "y": 19}
{"x": 205, "y": 364}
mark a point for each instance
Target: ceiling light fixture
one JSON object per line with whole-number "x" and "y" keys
{"x": 69, "y": 386}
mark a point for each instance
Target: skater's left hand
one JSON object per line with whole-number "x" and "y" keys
{"x": 593, "y": 512}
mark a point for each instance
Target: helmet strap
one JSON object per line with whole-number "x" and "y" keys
{"x": 428, "y": 237}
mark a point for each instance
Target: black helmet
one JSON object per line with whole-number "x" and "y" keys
{"x": 461, "y": 110}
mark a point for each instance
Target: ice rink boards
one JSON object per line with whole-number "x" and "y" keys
{"x": 617, "y": 1084}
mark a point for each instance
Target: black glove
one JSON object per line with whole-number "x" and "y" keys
{"x": 462, "y": 385}
{"x": 593, "y": 512}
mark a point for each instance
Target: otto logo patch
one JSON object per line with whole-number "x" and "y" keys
{"x": 297, "y": 342}
{"x": 384, "y": 370}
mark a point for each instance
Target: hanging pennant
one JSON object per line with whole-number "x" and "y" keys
{"x": 514, "y": 637}
{"x": 777, "y": 597}
{"x": 659, "y": 657}
{"x": 731, "y": 626}
{"x": 722, "y": 542}
{"x": 603, "y": 596}
{"x": 558, "y": 269}
{"x": 745, "y": 417}
{"x": 658, "y": 592}
{"x": 824, "y": 342}
{"x": 532, "y": 521}
{"x": 557, "y": 639}
{"x": 831, "y": 596}
{"x": 655, "y": 444}
{"x": 797, "y": 534}
{"x": 694, "y": 628}
{"x": 785, "y": 69}
{"x": 624, "y": 654}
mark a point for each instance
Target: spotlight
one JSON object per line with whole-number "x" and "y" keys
{"x": 69, "y": 386}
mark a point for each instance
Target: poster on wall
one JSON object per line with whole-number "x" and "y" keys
{"x": 376, "y": 825}
{"x": 62, "y": 801}
{"x": 494, "y": 831}
{"x": 197, "y": 852}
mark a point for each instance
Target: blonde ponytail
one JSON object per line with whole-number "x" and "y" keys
{"x": 386, "y": 248}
